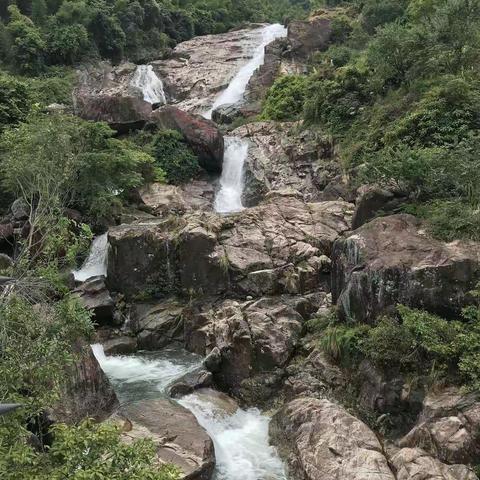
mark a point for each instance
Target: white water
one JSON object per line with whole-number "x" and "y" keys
{"x": 241, "y": 442}
{"x": 229, "y": 197}
{"x": 151, "y": 86}
{"x": 96, "y": 262}
{"x": 236, "y": 89}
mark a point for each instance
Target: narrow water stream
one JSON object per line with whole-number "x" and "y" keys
{"x": 151, "y": 86}
{"x": 96, "y": 262}
{"x": 241, "y": 442}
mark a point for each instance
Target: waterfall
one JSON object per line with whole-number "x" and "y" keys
{"x": 241, "y": 441}
{"x": 229, "y": 197}
{"x": 151, "y": 86}
{"x": 236, "y": 89}
{"x": 96, "y": 262}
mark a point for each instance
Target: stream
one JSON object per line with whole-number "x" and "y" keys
{"x": 241, "y": 438}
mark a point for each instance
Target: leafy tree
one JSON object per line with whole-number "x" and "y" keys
{"x": 68, "y": 44}
{"x": 14, "y": 101}
{"x": 174, "y": 157}
{"x": 284, "y": 101}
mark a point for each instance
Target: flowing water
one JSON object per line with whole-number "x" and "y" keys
{"x": 236, "y": 89}
{"x": 240, "y": 439}
{"x": 96, "y": 262}
{"x": 229, "y": 196}
{"x": 151, "y": 86}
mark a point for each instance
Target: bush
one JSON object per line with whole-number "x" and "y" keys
{"x": 174, "y": 157}
{"x": 285, "y": 99}
{"x": 14, "y": 101}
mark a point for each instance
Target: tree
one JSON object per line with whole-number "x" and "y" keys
{"x": 67, "y": 44}
{"x": 14, "y": 101}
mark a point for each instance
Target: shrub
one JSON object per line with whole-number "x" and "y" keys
{"x": 174, "y": 157}
{"x": 285, "y": 99}
{"x": 14, "y": 101}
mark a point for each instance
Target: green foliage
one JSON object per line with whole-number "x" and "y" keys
{"x": 58, "y": 160}
{"x": 174, "y": 157}
{"x": 342, "y": 342}
{"x": 82, "y": 452}
{"x": 53, "y": 86}
{"x": 284, "y": 101}
{"x": 14, "y": 101}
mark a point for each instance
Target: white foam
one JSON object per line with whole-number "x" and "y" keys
{"x": 148, "y": 82}
{"x": 96, "y": 262}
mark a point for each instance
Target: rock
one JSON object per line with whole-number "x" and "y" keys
{"x": 5, "y": 261}
{"x": 279, "y": 246}
{"x": 310, "y": 36}
{"x": 253, "y": 338}
{"x": 372, "y": 200}
{"x": 180, "y": 440}
{"x": 391, "y": 260}
{"x": 202, "y": 67}
{"x": 6, "y": 231}
{"x": 281, "y": 156}
{"x": 227, "y": 113}
{"x": 122, "y": 345}
{"x": 20, "y": 210}
{"x": 448, "y": 427}
{"x": 213, "y": 360}
{"x": 87, "y": 393}
{"x": 103, "y": 93}
{"x": 95, "y": 297}
{"x": 201, "y": 134}
{"x": 191, "y": 381}
{"x": 320, "y": 440}
{"x": 157, "y": 324}
{"x": 414, "y": 463}
{"x": 223, "y": 403}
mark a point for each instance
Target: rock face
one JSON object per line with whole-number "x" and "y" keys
{"x": 88, "y": 392}
{"x": 448, "y": 427}
{"x": 95, "y": 297}
{"x": 414, "y": 463}
{"x": 280, "y": 157}
{"x": 201, "y": 67}
{"x": 309, "y": 36}
{"x": 202, "y": 135}
{"x": 280, "y": 246}
{"x": 180, "y": 439}
{"x": 320, "y": 440}
{"x": 391, "y": 260}
{"x": 254, "y": 338}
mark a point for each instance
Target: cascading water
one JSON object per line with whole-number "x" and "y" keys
{"x": 240, "y": 439}
{"x": 151, "y": 86}
{"x": 229, "y": 197}
{"x": 236, "y": 89}
{"x": 96, "y": 262}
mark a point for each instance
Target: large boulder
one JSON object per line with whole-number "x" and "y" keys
{"x": 280, "y": 246}
{"x": 392, "y": 260}
{"x": 87, "y": 392}
{"x": 281, "y": 157}
{"x": 320, "y": 440}
{"x": 309, "y": 36}
{"x": 180, "y": 439}
{"x": 254, "y": 338}
{"x": 448, "y": 426}
{"x": 95, "y": 297}
{"x": 415, "y": 463}
{"x": 204, "y": 138}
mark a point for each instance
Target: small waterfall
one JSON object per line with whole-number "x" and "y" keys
{"x": 241, "y": 441}
{"x": 151, "y": 86}
{"x": 229, "y": 197}
{"x": 236, "y": 89}
{"x": 96, "y": 262}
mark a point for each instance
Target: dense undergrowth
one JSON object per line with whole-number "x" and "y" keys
{"x": 399, "y": 90}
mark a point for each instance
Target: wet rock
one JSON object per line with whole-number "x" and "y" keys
{"x": 180, "y": 440}
{"x": 448, "y": 427}
{"x": 372, "y": 200}
{"x": 202, "y": 135}
{"x": 87, "y": 392}
{"x": 213, "y": 360}
{"x": 121, "y": 345}
{"x": 415, "y": 463}
{"x": 223, "y": 403}
{"x": 391, "y": 260}
{"x": 227, "y": 114}
{"x": 253, "y": 338}
{"x": 281, "y": 156}
{"x": 320, "y": 440}
{"x": 309, "y": 36}
{"x": 94, "y": 295}
{"x": 157, "y": 324}
{"x": 191, "y": 381}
